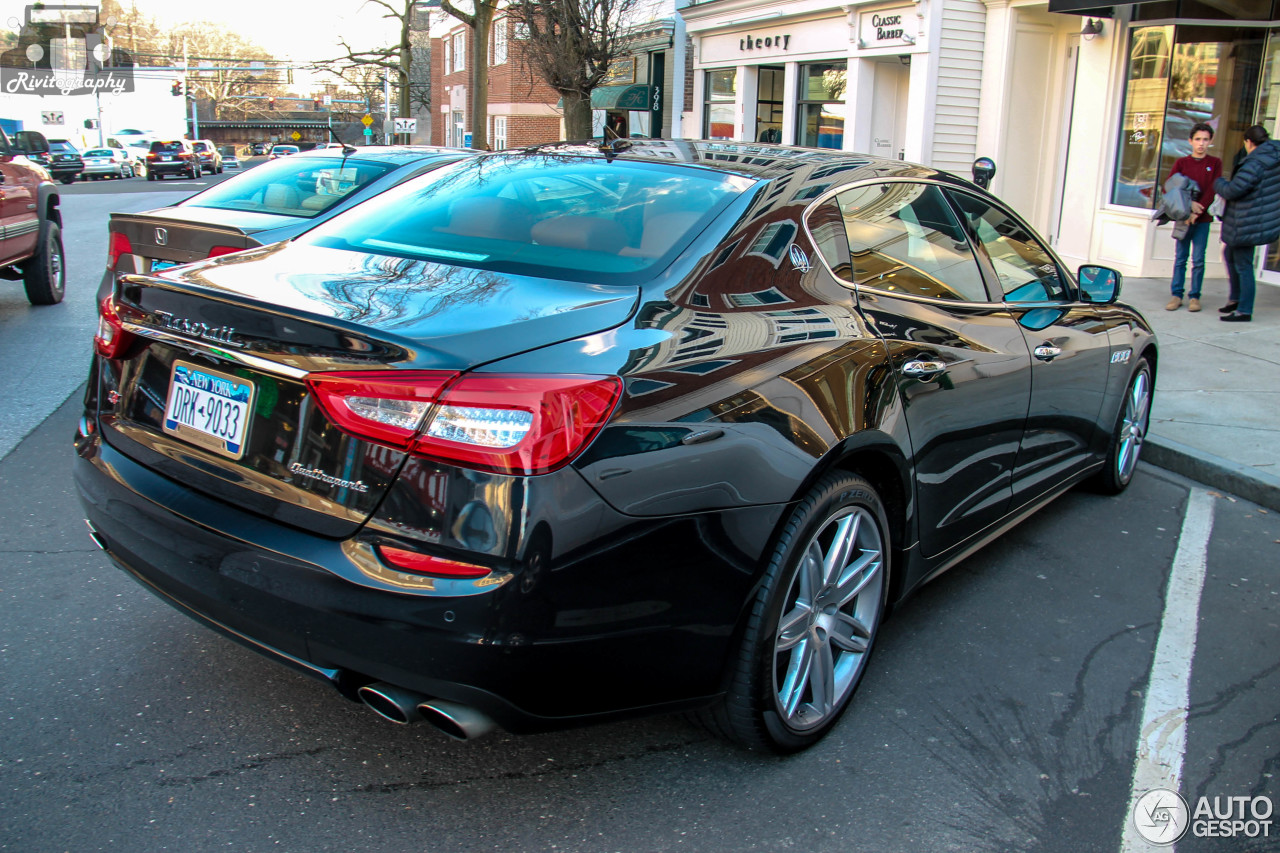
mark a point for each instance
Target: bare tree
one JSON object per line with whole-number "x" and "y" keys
{"x": 480, "y": 20}
{"x": 571, "y": 44}
{"x": 396, "y": 58}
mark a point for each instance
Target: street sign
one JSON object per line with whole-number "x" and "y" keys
{"x": 367, "y": 120}
{"x": 52, "y": 117}
{"x": 466, "y": 140}
{"x": 328, "y": 100}
{"x": 368, "y": 132}
{"x": 296, "y": 136}
{"x": 406, "y": 125}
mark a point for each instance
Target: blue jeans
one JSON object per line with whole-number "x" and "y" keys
{"x": 1240, "y": 281}
{"x": 1196, "y": 241}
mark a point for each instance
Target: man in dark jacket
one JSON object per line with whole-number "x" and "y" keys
{"x": 1252, "y": 217}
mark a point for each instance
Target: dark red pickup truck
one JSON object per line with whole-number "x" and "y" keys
{"x": 30, "y": 219}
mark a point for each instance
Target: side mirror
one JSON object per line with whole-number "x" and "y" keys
{"x": 1100, "y": 285}
{"x": 984, "y": 169}
{"x": 30, "y": 142}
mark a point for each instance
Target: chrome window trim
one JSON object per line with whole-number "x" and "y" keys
{"x": 929, "y": 300}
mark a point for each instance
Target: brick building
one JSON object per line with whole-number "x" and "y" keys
{"x": 647, "y": 93}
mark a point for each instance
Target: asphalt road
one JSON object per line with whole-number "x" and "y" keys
{"x": 1001, "y": 712}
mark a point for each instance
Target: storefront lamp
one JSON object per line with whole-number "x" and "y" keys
{"x": 1092, "y": 27}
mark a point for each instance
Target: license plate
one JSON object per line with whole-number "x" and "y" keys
{"x": 165, "y": 158}
{"x": 208, "y": 408}
{"x": 156, "y": 266}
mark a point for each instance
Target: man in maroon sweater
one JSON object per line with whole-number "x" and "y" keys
{"x": 1203, "y": 169}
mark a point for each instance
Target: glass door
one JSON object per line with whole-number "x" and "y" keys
{"x": 1268, "y": 106}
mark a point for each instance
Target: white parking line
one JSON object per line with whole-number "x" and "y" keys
{"x": 1163, "y": 737}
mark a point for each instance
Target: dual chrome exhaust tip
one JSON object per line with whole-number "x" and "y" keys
{"x": 403, "y": 707}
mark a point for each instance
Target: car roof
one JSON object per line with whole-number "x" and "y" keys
{"x": 388, "y": 153}
{"x": 761, "y": 161}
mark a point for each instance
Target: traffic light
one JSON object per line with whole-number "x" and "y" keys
{"x": 316, "y": 103}
{"x": 271, "y": 103}
{"x": 176, "y": 89}
{"x": 90, "y": 123}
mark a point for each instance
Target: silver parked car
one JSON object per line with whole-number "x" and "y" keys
{"x": 107, "y": 163}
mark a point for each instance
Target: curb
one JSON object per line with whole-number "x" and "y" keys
{"x": 1243, "y": 481}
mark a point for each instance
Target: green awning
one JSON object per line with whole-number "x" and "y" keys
{"x": 636, "y": 97}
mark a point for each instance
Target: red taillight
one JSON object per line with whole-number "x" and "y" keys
{"x": 514, "y": 424}
{"x": 425, "y": 564}
{"x": 112, "y": 339}
{"x": 224, "y": 250}
{"x": 120, "y": 245}
{"x": 385, "y": 407}
{"x": 153, "y": 156}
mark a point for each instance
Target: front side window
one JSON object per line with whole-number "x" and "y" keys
{"x": 720, "y": 106}
{"x": 900, "y": 238}
{"x": 821, "y": 108}
{"x": 1026, "y": 270}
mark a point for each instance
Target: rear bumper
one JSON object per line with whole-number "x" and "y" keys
{"x": 169, "y": 168}
{"x": 639, "y": 620}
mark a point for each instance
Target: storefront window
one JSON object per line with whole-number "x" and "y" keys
{"x": 719, "y": 108}
{"x": 771, "y": 90}
{"x": 1179, "y": 77}
{"x": 821, "y": 108}
{"x": 1268, "y": 107}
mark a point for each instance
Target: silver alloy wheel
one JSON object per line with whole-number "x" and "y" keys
{"x": 1133, "y": 425}
{"x": 828, "y": 619}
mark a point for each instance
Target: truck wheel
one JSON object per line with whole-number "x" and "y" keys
{"x": 43, "y": 274}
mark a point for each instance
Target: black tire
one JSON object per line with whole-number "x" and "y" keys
{"x": 71, "y": 179}
{"x": 1127, "y": 435}
{"x": 151, "y": 176}
{"x": 776, "y": 702}
{"x": 44, "y": 274}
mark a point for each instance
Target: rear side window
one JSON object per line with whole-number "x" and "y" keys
{"x": 571, "y": 218}
{"x": 294, "y": 186}
{"x": 898, "y": 237}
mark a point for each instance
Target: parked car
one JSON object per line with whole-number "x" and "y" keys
{"x": 107, "y": 163}
{"x": 62, "y": 160}
{"x": 172, "y": 157}
{"x": 259, "y": 148}
{"x": 559, "y": 435}
{"x": 229, "y": 158}
{"x": 278, "y": 151}
{"x": 31, "y": 240}
{"x": 209, "y": 157}
{"x": 275, "y": 201}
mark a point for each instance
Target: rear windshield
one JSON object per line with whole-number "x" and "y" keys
{"x": 167, "y": 148}
{"x": 295, "y": 186}
{"x": 99, "y": 152}
{"x": 571, "y": 218}
{"x": 62, "y": 147}
{"x": 285, "y": 149}
{"x": 227, "y": 150}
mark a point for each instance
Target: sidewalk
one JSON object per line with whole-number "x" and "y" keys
{"x": 1216, "y": 416}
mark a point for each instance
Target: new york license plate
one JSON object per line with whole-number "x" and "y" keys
{"x": 209, "y": 408}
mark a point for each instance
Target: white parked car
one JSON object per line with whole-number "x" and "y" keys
{"x": 107, "y": 163}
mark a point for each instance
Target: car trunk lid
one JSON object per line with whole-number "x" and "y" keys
{"x": 217, "y": 398}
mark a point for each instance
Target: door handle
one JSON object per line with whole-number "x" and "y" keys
{"x": 1046, "y": 352}
{"x": 924, "y": 369}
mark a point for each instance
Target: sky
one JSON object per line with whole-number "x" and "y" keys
{"x": 303, "y": 29}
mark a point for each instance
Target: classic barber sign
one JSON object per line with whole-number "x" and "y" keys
{"x": 888, "y": 27}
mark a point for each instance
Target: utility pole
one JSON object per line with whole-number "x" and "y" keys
{"x": 386, "y": 105}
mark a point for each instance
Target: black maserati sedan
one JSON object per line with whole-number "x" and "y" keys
{"x": 572, "y": 433}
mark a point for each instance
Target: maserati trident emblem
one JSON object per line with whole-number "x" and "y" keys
{"x": 799, "y": 259}
{"x": 162, "y": 237}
